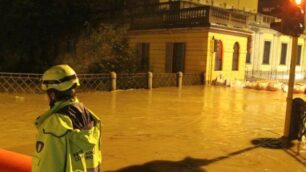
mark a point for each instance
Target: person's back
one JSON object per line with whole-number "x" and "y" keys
{"x": 69, "y": 134}
{"x": 80, "y": 116}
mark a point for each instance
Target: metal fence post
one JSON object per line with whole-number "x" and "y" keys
{"x": 150, "y": 80}
{"x": 179, "y": 79}
{"x": 114, "y": 81}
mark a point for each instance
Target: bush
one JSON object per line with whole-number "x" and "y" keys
{"x": 102, "y": 49}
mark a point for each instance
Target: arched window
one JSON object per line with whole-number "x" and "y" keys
{"x": 235, "y": 64}
{"x": 219, "y": 56}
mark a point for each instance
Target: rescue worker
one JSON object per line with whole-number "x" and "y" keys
{"x": 69, "y": 134}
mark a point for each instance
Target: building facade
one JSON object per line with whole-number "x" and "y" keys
{"x": 233, "y": 42}
{"x": 192, "y": 50}
{"x": 270, "y": 51}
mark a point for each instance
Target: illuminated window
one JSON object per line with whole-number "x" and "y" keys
{"x": 235, "y": 64}
{"x": 219, "y": 56}
{"x": 299, "y": 53}
{"x": 266, "y": 54}
{"x": 283, "y": 54}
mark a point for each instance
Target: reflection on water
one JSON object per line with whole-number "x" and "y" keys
{"x": 168, "y": 124}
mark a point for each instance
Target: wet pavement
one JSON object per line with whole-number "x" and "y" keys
{"x": 170, "y": 130}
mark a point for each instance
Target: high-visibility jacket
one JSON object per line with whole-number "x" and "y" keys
{"x": 62, "y": 148}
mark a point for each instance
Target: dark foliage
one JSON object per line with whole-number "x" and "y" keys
{"x": 34, "y": 33}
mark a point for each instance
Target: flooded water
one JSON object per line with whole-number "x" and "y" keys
{"x": 191, "y": 130}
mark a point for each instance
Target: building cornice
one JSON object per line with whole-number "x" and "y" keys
{"x": 216, "y": 29}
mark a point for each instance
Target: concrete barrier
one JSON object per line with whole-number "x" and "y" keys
{"x": 14, "y": 162}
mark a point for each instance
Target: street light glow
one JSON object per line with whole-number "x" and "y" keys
{"x": 298, "y": 2}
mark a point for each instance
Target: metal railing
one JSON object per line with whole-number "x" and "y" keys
{"x": 193, "y": 79}
{"x": 164, "y": 80}
{"x": 273, "y": 75}
{"x": 30, "y": 83}
{"x": 22, "y": 83}
{"x": 98, "y": 82}
{"x": 128, "y": 81}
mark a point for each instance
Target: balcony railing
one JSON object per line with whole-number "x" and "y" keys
{"x": 227, "y": 18}
{"x": 261, "y": 20}
{"x": 147, "y": 6}
{"x": 187, "y": 17}
{"x": 171, "y": 18}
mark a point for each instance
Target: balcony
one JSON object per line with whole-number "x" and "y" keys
{"x": 261, "y": 20}
{"x": 179, "y": 16}
{"x": 232, "y": 19}
{"x": 147, "y": 6}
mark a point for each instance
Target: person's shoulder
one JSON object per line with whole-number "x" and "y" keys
{"x": 57, "y": 125}
{"x": 94, "y": 116}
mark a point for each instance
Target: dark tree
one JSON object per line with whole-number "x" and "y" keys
{"x": 35, "y": 33}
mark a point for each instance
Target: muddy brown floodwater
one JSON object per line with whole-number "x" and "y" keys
{"x": 170, "y": 130}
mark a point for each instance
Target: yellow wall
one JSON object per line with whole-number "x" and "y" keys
{"x": 198, "y": 55}
{"x": 228, "y": 44}
{"x": 195, "y": 39}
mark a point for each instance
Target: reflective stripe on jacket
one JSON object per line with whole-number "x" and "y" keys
{"x": 62, "y": 148}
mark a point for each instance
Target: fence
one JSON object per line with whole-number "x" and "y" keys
{"x": 164, "y": 80}
{"x": 15, "y": 82}
{"x": 193, "y": 79}
{"x": 272, "y": 75}
{"x": 30, "y": 83}
{"x": 128, "y": 81}
{"x": 98, "y": 82}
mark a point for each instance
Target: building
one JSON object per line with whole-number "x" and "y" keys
{"x": 219, "y": 38}
{"x": 271, "y": 51}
